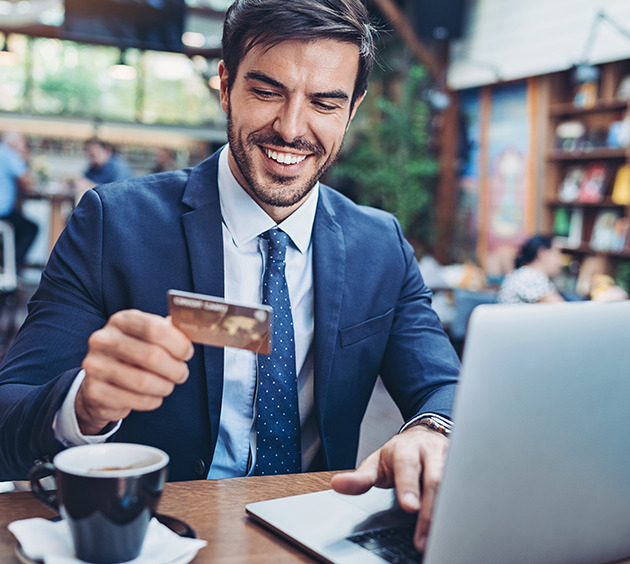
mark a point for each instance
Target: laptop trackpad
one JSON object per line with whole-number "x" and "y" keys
{"x": 322, "y": 523}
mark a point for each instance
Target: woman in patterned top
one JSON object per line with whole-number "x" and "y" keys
{"x": 537, "y": 263}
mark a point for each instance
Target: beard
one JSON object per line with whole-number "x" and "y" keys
{"x": 281, "y": 190}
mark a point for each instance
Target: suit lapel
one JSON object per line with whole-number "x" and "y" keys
{"x": 204, "y": 237}
{"x": 329, "y": 271}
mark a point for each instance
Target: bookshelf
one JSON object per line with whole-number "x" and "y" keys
{"x": 586, "y": 199}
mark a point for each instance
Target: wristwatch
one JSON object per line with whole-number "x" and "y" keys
{"x": 436, "y": 423}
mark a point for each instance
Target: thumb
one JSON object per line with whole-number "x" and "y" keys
{"x": 360, "y": 480}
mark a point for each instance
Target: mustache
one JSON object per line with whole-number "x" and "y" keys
{"x": 276, "y": 140}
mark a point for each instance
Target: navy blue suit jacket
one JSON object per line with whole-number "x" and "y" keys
{"x": 127, "y": 243}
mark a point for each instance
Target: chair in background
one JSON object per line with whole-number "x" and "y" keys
{"x": 8, "y": 286}
{"x": 465, "y": 302}
{"x": 8, "y": 271}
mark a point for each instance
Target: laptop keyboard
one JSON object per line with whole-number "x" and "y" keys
{"x": 394, "y": 545}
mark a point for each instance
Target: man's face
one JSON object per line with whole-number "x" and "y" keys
{"x": 97, "y": 154}
{"x": 288, "y": 111}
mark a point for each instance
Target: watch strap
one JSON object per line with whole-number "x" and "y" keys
{"x": 436, "y": 423}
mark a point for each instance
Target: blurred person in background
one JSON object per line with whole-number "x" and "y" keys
{"x": 105, "y": 166}
{"x": 164, "y": 160}
{"x": 16, "y": 179}
{"x": 537, "y": 263}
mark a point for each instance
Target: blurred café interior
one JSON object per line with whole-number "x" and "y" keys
{"x": 516, "y": 120}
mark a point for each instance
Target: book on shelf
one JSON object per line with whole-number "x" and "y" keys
{"x": 619, "y": 134}
{"x": 594, "y": 139}
{"x": 608, "y": 231}
{"x": 623, "y": 92}
{"x": 567, "y": 226}
{"x": 569, "y": 135}
{"x": 585, "y": 95}
{"x": 621, "y": 237}
{"x": 561, "y": 222}
{"x": 621, "y": 187}
{"x": 569, "y": 188}
{"x": 593, "y": 184}
{"x": 574, "y": 136}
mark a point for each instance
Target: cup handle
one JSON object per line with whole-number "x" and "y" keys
{"x": 41, "y": 470}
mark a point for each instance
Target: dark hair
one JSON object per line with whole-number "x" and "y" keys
{"x": 529, "y": 250}
{"x": 269, "y": 22}
{"x": 99, "y": 141}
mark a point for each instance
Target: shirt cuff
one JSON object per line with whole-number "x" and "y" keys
{"x": 444, "y": 420}
{"x": 66, "y": 426}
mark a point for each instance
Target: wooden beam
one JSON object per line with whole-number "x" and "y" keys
{"x": 531, "y": 189}
{"x": 483, "y": 205}
{"x": 447, "y": 182}
{"x": 446, "y": 193}
{"x": 399, "y": 20}
{"x": 56, "y": 32}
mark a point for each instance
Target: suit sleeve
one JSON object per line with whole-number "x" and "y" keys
{"x": 420, "y": 367}
{"x": 46, "y": 355}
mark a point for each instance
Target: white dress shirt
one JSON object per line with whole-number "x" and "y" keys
{"x": 244, "y": 260}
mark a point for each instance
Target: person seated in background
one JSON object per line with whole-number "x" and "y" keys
{"x": 164, "y": 160}
{"x": 537, "y": 263}
{"x": 15, "y": 178}
{"x": 105, "y": 166}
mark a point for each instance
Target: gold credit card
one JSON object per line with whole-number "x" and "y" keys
{"x": 209, "y": 320}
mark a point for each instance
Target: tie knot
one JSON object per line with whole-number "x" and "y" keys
{"x": 278, "y": 241}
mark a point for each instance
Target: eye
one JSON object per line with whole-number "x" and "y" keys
{"x": 265, "y": 94}
{"x": 323, "y": 106}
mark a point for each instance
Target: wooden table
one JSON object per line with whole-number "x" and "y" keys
{"x": 61, "y": 205}
{"x": 214, "y": 508}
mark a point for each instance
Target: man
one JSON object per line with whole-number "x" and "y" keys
{"x": 104, "y": 166}
{"x": 292, "y": 77}
{"x": 164, "y": 160}
{"x": 15, "y": 178}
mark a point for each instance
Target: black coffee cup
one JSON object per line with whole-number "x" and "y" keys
{"x": 107, "y": 493}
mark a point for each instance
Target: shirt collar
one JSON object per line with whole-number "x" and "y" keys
{"x": 245, "y": 219}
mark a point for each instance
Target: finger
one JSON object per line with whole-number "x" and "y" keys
{"x": 99, "y": 401}
{"x": 360, "y": 480}
{"x": 431, "y": 477}
{"x": 124, "y": 376}
{"x": 406, "y": 470}
{"x": 102, "y": 401}
{"x": 126, "y": 349}
{"x": 154, "y": 329}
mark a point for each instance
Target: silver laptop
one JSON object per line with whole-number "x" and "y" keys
{"x": 539, "y": 462}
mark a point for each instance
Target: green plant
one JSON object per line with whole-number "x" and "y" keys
{"x": 387, "y": 163}
{"x": 68, "y": 92}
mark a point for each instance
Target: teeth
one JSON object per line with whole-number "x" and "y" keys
{"x": 284, "y": 158}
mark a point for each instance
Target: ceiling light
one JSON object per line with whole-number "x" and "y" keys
{"x": 194, "y": 39}
{"x": 121, "y": 70}
{"x": 7, "y": 58}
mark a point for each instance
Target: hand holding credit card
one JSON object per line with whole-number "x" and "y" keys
{"x": 209, "y": 320}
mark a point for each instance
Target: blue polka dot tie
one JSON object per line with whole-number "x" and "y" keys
{"x": 278, "y": 423}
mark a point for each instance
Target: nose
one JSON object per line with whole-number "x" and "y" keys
{"x": 291, "y": 122}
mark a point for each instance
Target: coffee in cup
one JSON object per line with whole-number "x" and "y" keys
{"x": 107, "y": 493}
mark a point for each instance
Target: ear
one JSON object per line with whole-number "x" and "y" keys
{"x": 223, "y": 76}
{"x": 357, "y": 103}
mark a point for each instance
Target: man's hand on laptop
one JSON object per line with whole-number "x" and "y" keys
{"x": 414, "y": 457}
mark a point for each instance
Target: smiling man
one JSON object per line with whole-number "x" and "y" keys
{"x": 287, "y": 117}
{"x": 97, "y": 359}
